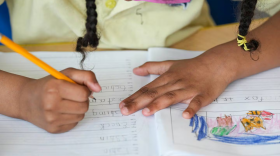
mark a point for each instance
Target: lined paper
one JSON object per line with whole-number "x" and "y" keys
{"x": 260, "y": 92}
{"x": 103, "y": 131}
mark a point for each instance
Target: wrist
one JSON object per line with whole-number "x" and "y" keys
{"x": 11, "y": 93}
{"x": 248, "y": 63}
{"x": 225, "y": 60}
{"x": 238, "y": 59}
{"x": 240, "y": 63}
{"x": 24, "y": 98}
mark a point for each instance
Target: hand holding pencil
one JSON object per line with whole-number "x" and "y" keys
{"x": 52, "y": 103}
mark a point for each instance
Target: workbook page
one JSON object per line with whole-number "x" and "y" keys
{"x": 104, "y": 131}
{"x": 244, "y": 120}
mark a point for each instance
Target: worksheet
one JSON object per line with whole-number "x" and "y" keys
{"x": 244, "y": 120}
{"x": 104, "y": 131}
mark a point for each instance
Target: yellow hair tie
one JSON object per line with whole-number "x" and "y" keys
{"x": 242, "y": 42}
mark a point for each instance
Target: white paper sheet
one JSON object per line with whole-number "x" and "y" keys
{"x": 259, "y": 93}
{"x": 104, "y": 131}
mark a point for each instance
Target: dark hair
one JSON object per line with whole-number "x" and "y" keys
{"x": 247, "y": 13}
{"x": 91, "y": 38}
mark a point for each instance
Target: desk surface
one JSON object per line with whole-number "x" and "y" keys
{"x": 202, "y": 40}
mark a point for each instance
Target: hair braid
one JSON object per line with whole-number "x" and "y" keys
{"x": 91, "y": 38}
{"x": 247, "y": 13}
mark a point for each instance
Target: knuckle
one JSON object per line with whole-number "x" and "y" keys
{"x": 146, "y": 64}
{"x": 52, "y": 129}
{"x": 170, "y": 95}
{"x": 50, "y": 119}
{"x": 152, "y": 93}
{"x": 209, "y": 94}
{"x": 168, "y": 75}
{"x": 197, "y": 101}
{"x": 90, "y": 75}
{"x": 51, "y": 86}
{"x": 193, "y": 89}
{"x": 156, "y": 105}
{"x": 49, "y": 106}
{"x": 209, "y": 97}
{"x": 144, "y": 89}
{"x": 128, "y": 100}
{"x": 67, "y": 70}
{"x": 177, "y": 81}
{"x": 132, "y": 105}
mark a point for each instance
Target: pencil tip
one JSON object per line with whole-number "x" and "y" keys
{"x": 92, "y": 97}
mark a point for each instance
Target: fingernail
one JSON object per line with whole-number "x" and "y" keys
{"x": 124, "y": 110}
{"x": 186, "y": 115}
{"x": 122, "y": 104}
{"x": 146, "y": 111}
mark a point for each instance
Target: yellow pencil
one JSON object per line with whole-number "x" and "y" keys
{"x": 17, "y": 48}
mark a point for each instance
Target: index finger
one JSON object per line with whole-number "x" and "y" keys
{"x": 160, "y": 81}
{"x": 83, "y": 77}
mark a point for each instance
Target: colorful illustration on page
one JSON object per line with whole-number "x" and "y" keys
{"x": 244, "y": 128}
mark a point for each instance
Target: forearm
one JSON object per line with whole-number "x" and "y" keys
{"x": 11, "y": 86}
{"x": 242, "y": 62}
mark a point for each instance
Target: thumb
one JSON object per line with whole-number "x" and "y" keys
{"x": 83, "y": 77}
{"x": 156, "y": 68}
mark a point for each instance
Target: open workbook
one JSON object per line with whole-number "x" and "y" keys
{"x": 244, "y": 120}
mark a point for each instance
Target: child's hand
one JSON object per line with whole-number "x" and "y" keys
{"x": 57, "y": 105}
{"x": 198, "y": 81}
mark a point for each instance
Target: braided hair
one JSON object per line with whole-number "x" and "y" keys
{"x": 91, "y": 38}
{"x": 247, "y": 13}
